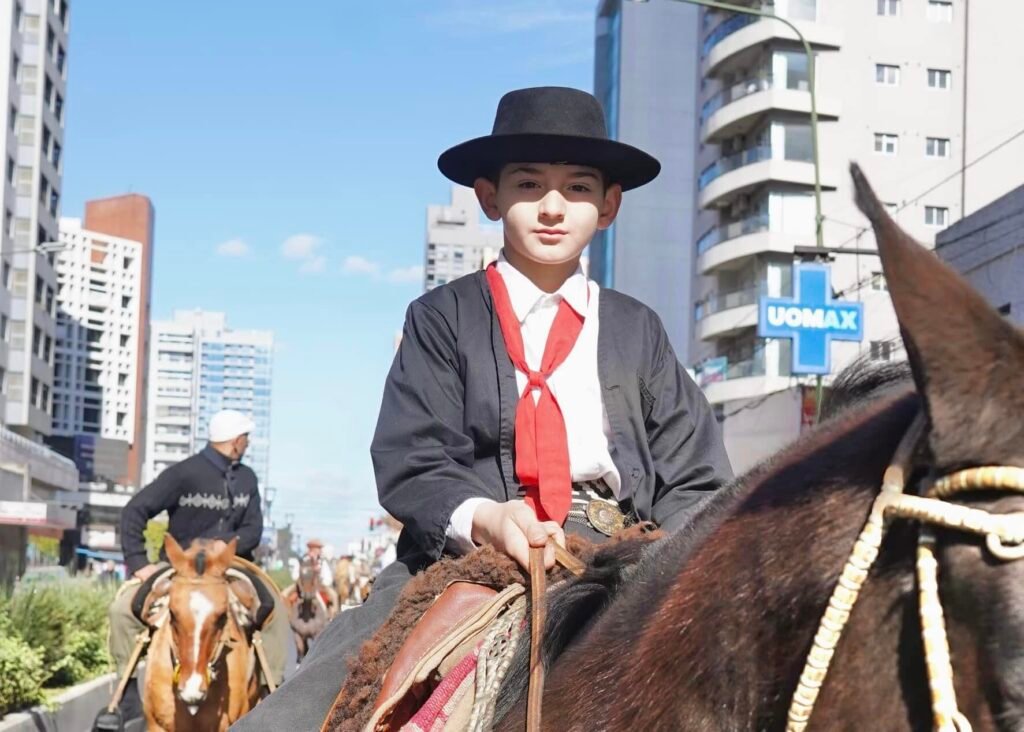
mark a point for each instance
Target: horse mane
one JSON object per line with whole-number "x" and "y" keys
{"x": 862, "y": 381}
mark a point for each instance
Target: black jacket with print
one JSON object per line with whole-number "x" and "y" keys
{"x": 206, "y": 496}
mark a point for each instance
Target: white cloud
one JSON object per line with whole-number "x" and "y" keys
{"x": 233, "y": 248}
{"x": 314, "y": 265}
{"x": 403, "y": 275}
{"x": 305, "y": 248}
{"x": 301, "y": 246}
{"x": 360, "y": 265}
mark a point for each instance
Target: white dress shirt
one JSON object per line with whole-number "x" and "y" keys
{"x": 575, "y": 383}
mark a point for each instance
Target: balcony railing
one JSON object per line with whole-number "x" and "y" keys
{"x": 733, "y": 92}
{"x": 718, "y": 234}
{"x": 732, "y": 162}
{"x": 727, "y": 301}
{"x": 725, "y": 29}
{"x": 798, "y": 10}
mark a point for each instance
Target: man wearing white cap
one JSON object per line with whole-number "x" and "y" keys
{"x": 210, "y": 495}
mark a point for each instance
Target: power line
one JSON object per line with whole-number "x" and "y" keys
{"x": 959, "y": 171}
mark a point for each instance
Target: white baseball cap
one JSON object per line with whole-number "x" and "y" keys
{"x": 227, "y": 424}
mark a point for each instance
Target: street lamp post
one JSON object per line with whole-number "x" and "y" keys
{"x": 818, "y": 218}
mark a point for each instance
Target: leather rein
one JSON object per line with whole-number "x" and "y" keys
{"x": 538, "y": 616}
{"x": 1004, "y": 539}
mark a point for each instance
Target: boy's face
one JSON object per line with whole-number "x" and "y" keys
{"x": 550, "y": 212}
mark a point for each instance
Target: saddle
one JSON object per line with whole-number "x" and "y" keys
{"x": 467, "y": 617}
{"x": 151, "y": 596}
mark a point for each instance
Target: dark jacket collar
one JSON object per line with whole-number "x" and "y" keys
{"x": 222, "y": 463}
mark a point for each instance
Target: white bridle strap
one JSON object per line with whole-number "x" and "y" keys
{"x": 1004, "y": 538}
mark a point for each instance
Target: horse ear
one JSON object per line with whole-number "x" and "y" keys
{"x": 227, "y": 553}
{"x": 175, "y": 554}
{"x": 967, "y": 361}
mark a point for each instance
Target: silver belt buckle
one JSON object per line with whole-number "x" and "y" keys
{"x": 605, "y": 517}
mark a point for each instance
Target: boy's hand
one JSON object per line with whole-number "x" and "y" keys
{"x": 513, "y": 528}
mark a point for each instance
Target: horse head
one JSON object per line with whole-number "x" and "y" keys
{"x": 309, "y": 580}
{"x": 199, "y": 607}
{"x": 968, "y": 364}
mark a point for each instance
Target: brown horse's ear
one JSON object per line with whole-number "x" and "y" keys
{"x": 175, "y": 554}
{"x": 226, "y": 555}
{"x": 968, "y": 361}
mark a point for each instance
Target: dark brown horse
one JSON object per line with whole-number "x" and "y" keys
{"x": 711, "y": 631}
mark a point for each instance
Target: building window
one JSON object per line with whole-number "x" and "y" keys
{"x": 24, "y": 177}
{"x": 28, "y": 79}
{"x": 939, "y": 78}
{"x": 121, "y": 417}
{"x": 61, "y": 56}
{"x": 936, "y": 216}
{"x": 12, "y": 118}
{"x": 886, "y": 144}
{"x": 124, "y": 341}
{"x": 26, "y": 130}
{"x": 11, "y": 165}
{"x": 1004, "y": 309}
{"x": 937, "y": 147}
{"x": 940, "y": 11}
{"x": 887, "y": 74}
{"x": 881, "y": 350}
{"x": 878, "y": 283}
{"x": 56, "y": 155}
{"x": 58, "y": 107}
{"x": 889, "y": 8}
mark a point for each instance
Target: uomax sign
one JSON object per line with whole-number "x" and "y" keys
{"x": 811, "y": 318}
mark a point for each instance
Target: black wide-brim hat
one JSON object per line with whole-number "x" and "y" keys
{"x": 549, "y": 124}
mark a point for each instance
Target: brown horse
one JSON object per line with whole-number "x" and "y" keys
{"x": 200, "y": 668}
{"x": 344, "y": 580}
{"x": 311, "y": 607}
{"x": 711, "y": 630}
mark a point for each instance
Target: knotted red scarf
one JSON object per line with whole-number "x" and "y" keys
{"x": 542, "y": 448}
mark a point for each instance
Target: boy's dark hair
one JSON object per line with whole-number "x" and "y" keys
{"x": 495, "y": 176}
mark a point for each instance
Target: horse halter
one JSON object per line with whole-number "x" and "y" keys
{"x": 223, "y": 641}
{"x": 1004, "y": 539}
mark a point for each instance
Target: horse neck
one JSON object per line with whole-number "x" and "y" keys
{"x": 726, "y": 622}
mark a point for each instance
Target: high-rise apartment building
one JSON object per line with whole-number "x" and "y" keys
{"x": 32, "y": 79}
{"x": 104, "y": 273}
{"x": 911, "y": 89}
{"x": 457, "y": 243}
{"x": 645, "y": 78}
{"x": 197, "y": 367}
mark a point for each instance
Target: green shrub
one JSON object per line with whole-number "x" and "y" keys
{"x": 154, "y": 535}
{"x": 67, "y": 622}
{"x": 21, "y": 674}
{"x": 85, "y": 652}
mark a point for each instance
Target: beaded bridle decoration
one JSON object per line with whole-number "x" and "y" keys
{"x": 1004, "y": 538}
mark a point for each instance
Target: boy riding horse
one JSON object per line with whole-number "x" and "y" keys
{"x": 525, "y": 400}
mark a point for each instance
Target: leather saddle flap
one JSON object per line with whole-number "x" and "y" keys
{"x": 463, "y": 610}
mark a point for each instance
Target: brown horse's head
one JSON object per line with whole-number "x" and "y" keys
{"x": 309, "y": 580}
{"x": 199, "y": 606}
{"x": 968, "y": 364}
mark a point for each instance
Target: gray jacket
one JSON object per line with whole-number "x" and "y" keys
{"x": 445, "y": 430}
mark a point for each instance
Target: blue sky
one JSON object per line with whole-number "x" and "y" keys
{"x": 291, "y": 157}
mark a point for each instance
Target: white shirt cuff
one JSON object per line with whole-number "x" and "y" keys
{"x": 460, "y": 526}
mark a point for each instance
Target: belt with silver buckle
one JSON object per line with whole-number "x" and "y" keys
{"x": 594, "y": 505}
